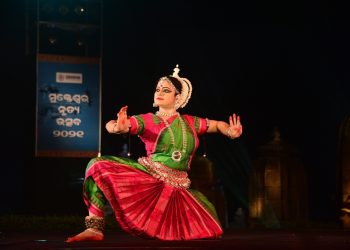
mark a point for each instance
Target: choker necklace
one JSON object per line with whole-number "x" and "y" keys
{"x": 177, "y": 155}
{"x": 158, "y": 113}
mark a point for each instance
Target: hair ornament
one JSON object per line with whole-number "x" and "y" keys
{"x": 186, "y": 92}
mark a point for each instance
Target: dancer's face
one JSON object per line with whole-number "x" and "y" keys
{"x": 165, "y": 94}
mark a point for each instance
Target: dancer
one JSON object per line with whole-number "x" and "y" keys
{"x": 151, "y": 197}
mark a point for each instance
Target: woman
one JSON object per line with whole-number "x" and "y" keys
{"x": 151, "y": 197}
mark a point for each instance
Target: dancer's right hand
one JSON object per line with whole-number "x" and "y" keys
{"x": 122, "y": 120}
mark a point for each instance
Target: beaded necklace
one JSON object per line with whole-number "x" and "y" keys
{"x": 158, "y": 113}
{"x": 177, "y": 155}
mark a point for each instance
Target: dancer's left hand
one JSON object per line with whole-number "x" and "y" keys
{"x": 235, "y": 129}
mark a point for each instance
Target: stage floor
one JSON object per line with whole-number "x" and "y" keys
{"x": 247, "y": 239}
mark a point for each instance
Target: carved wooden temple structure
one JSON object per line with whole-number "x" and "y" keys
{"x": 278, "y": 193}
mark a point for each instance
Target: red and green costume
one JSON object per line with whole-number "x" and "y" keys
{"x": 151, "y": 197}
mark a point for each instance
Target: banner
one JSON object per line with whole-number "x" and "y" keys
{"x": 68, "y": 106}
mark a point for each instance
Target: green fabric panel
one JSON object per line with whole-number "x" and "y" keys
{"x": 164, "y": 147}
{"x": 94, "y": 194}
{"x": 206, "y": 203}
{"x": 165, "y": 159}
{"x": 196, "y": 124}
{"x": 141, "y": 124}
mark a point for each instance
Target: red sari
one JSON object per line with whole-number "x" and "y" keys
{"x": 152, "y": 197}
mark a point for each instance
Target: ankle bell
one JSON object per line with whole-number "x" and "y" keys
{"x": 95, "y": 222}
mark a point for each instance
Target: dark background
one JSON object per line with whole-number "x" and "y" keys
{"x": 280, "y": 63}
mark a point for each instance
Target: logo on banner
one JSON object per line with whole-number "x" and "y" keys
{"x": 64, "y": 77}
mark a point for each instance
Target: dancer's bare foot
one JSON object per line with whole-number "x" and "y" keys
{"x": 87, "y": 235}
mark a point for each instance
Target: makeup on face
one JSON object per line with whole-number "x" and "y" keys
{"x": 164, "y": 86}
{"x": 164, "y": 94}
{"x": 164, "y": 90}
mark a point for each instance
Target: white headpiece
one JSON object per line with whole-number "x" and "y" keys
{"x": 186, "y": 91}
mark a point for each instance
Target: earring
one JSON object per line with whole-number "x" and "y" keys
{"x": 155, "y": 105}
{"x": 176, "y": 106}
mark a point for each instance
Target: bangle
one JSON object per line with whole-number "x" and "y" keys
{"x": 208, "y": 122}
{"x": 228, "y": 133}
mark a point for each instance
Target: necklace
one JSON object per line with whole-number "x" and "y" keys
{"x": 177, "y": 155}
{"x": 158, "y": 113}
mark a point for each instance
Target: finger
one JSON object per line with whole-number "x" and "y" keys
{"x": 234, "y": 119}
{"x": 239, "y": 121}
{"x": 122, "y": 109}
{"x": 230, "y": 120}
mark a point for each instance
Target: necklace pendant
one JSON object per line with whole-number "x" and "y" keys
{"x": 176, "y": 155}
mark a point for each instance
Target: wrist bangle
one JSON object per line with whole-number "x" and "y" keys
{"x": 208, "y": 122}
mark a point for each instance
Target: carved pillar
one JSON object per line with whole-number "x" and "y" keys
{"x": 278, "y": 186}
